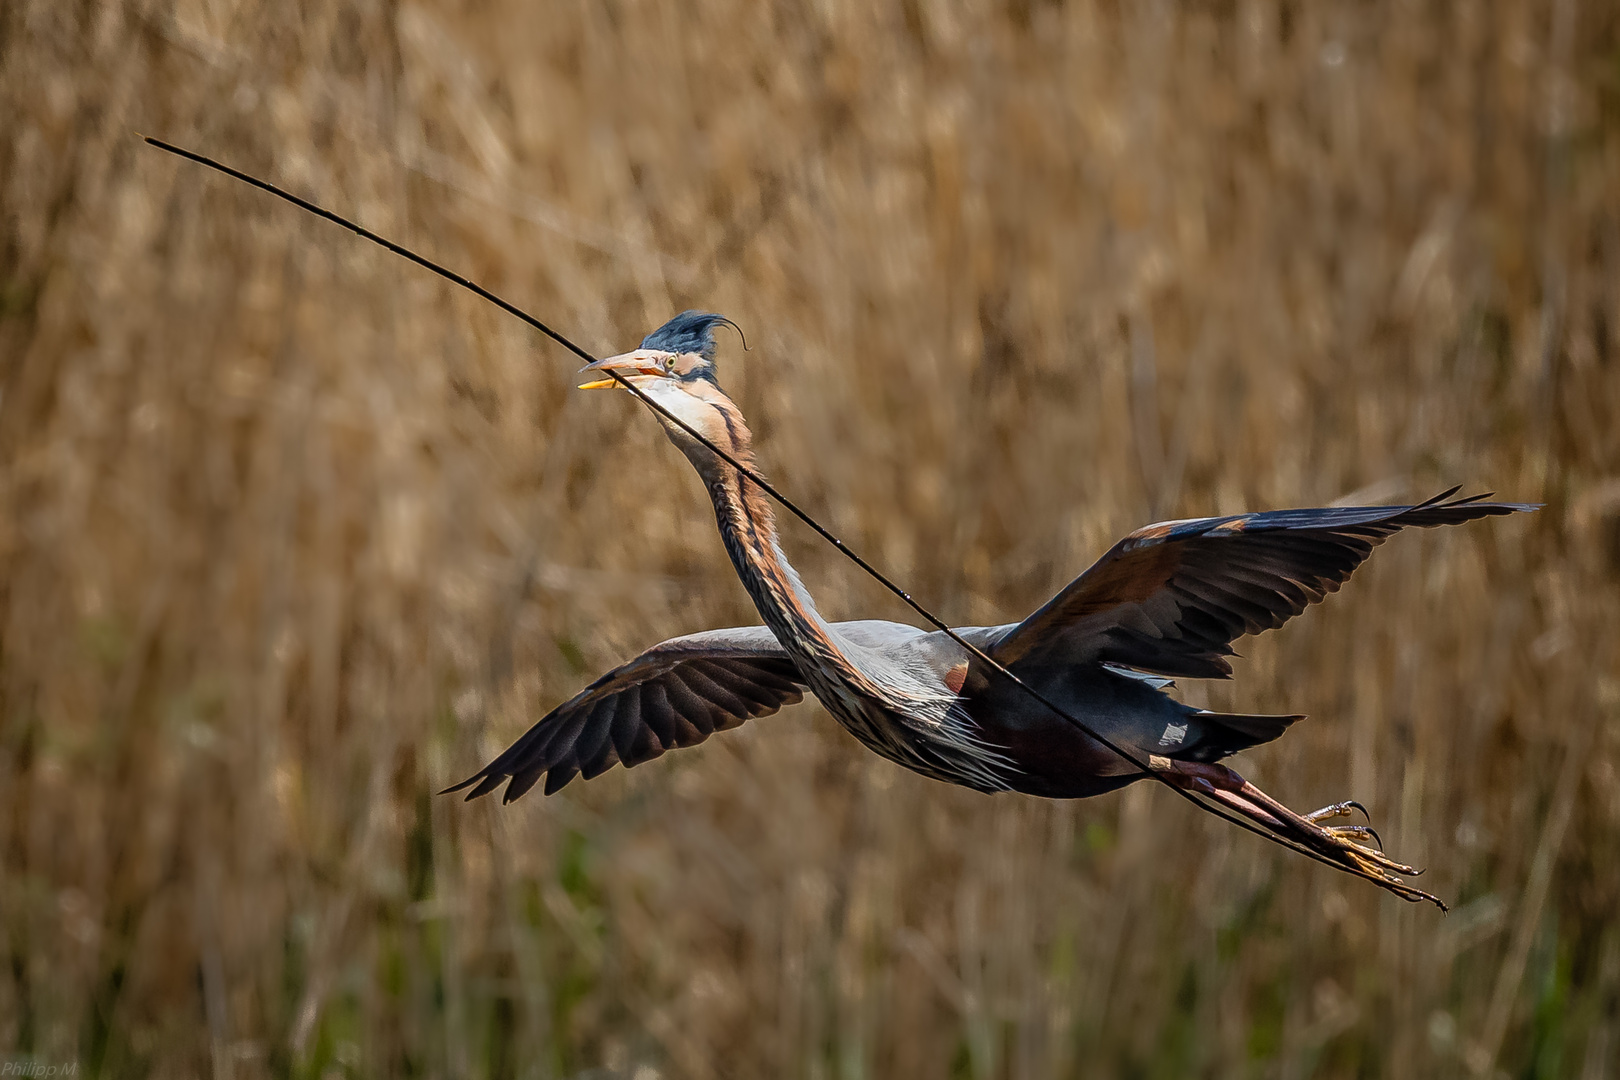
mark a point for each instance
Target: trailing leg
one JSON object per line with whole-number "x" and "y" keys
{"x": 1337, "y": 843}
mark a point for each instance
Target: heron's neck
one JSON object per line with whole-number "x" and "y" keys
{"x": 748, "y": 530}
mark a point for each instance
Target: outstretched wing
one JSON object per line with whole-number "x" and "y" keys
{"x": 677, "y": 693}
{"x": 1170, "y": 598}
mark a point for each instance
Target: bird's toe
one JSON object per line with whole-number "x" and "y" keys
{"x": 1337, "y": 810}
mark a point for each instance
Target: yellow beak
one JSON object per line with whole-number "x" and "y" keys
{"x": 639, "y": 362}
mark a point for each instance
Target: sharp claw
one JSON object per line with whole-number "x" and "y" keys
{"x": 1353, "y": 804}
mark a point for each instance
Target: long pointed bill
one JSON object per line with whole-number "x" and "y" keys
{"x": 639, "y": 362}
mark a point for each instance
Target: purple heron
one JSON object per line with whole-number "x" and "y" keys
{"x": 1165, "y": 602}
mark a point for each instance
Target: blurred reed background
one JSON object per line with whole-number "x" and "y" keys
{"x": 293, "y": 534}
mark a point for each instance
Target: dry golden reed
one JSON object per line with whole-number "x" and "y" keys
{"x": 293, "y": 534}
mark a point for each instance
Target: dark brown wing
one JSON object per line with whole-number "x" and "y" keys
{"x": 1170, "y": 598}
{"x": 675, "y": 694}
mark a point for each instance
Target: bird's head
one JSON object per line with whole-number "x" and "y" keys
{"x": 675, "y": 367}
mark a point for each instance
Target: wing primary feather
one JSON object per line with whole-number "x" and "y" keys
{"x": 558, "y": 776}
{"x": 689, "y": 704}
{"x": 634, "y": 739}
{"x": 656, "y": 714}
{"x": 594, "y": 752}
{"x": 488, "y": 783}
{"x": 521, "y": 783}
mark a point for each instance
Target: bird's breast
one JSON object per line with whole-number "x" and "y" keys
{"x": 888, "y": 736}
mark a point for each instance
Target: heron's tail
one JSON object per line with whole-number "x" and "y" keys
{"x": 1215, "y": 735}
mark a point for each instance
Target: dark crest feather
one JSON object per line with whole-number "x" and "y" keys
{"x": 689, "y": 332}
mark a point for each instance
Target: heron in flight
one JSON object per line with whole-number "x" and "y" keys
{"x": 1167, "y": 601}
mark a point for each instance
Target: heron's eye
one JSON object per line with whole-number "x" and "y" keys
{"x": 669, "y": 363}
